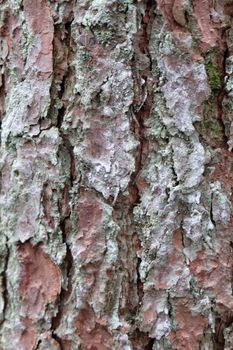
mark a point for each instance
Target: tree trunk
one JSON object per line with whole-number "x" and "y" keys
{"x": 116, "y": 174}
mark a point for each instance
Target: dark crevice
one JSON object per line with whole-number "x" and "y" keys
{"x": 139, "y": 115}
{"x": 144, "y": 111}
{"x": 220, "y": 98}
{"x": 37, "y": 346}
{"x": 170, "y": 309}
{"x": 182, "y": 235}
{"x": 218, "y": 338}
{"x": 4, "y": 284}
{"x": 175, "y": 177}
{"x": 68, "y": 26}
{"x": 139, "y": 282}
{"x": 140, "y": 111}
{"x": 67, "y": 149}
{"x": 2, "y": 102}
{"x": 66, "y": 291}
{"x": 211, "y": 211}
{"x": 60, "y": 117}
{"x": 141, "y": 340}
{"x": 68, "y": 260}
{"x": 171, "y": 315}
{"x": 220, "y": 325}
{"x": 58, "y": 340}
{"x": 150, "y": 344}
{"x": 62, "y": 110}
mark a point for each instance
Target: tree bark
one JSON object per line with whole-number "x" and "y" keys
{"x": 116, "y": 174}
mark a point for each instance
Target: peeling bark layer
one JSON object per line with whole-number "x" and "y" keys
{"x": 116, "y": 174}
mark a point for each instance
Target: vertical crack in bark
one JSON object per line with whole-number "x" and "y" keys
{"x": 225, "y": 320}
{"x": 182, "y": 238}
{"x": 2, "y": 101}
{"x": 149, "y": 346}
{"x": 211, "y": 211}
{"x": 175, "y": 176}
{"x": 38, "y": 345}
{"x": 140, "y": 112}
{"x": 4, "y": 284}
{"x": 66, "y": 145}
{"x": 6, "y": 256}
{"x": 170, "y": 309}
{"x": 68, "y": 260}
{"x": 221, "y": 324}
{"x": 221, "y": 96}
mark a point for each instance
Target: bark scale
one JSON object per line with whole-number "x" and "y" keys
{"x": 116, "y": 174}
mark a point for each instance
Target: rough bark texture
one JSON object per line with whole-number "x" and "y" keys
{"x": 116, "y": 174}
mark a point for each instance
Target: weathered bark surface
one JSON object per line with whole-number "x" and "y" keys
{"x": 116, "y": 174}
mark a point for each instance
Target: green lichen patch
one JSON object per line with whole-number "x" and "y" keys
{"x": 214, "y": 77}
{"x": 210, "y": 127}
{"x": 103, "y": 35}
{"x": 213, "y": 127}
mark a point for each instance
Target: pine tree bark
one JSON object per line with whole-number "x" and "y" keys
{"x": 116, "y": 174}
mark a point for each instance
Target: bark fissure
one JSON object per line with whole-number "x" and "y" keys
{"x": 4, "y": 285}
{"x": 64, "y": 224}
{"x": 141, "y": 111}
